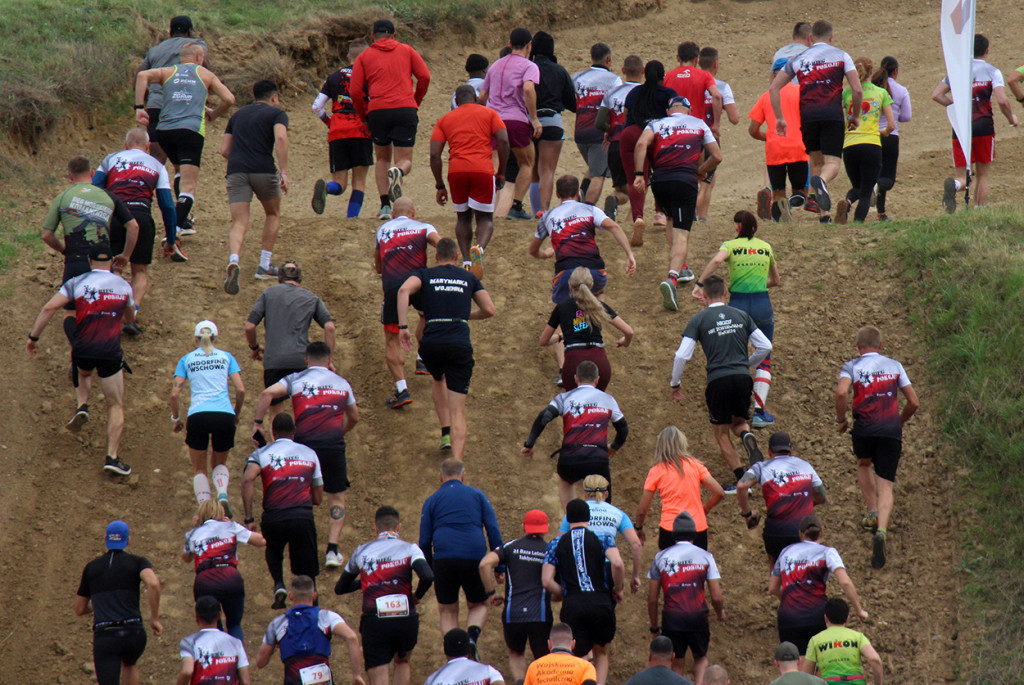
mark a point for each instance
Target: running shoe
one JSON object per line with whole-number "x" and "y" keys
{"x": 811, "y": 205}
{"x": 319, "y": 201}
{"x": 637, "y": 238}
{"x": 821, "y": 193}
{"x": 177, "y": 255}
{"x": 878, "y": 550}
{"x": 117, "y": 466}
{"x": 80, "y": 418}
{"x": 669, "y": 300}
{"x": 446, "y": 442}
{"x": 796, "y": 200}
{"x": 131, "y": 329}
{"x": 842, "y": 211}
{"x": 231, "y": 280}
{"x": 333, "y": 560}
{"x": 474, "y": 651}
{"x": 949, "y": 195}
{"x": 399, "y": 399}
{"x": 557, "y": 380}
{"x": 750, "y": 445}
{"x": 394, "y": 183}
{"x": 519, "y": 214}
{"x": 730, "y": 489}
{"x": 824, "y": 219}
{"x": 226, "y": 504}
{"x": 762, "y": 419}
{"x": 870, "y": 522}
{"x": 421, "y": 368}
{"x": 611, "y": 206}
{"x": 764, "y": 203}
{"x": 187, "y": 227}
{"x": 265, "y": 274}
{"x": 280, "y": 596}
{"x": 884, "y": 217}
{"x": 660, "y": 219}
{"x": 538, "y": 214}
{"x": 785, "y": 214}
{"x": 476, "y": 259}
{"x": 385, "y": 213}
{"x": 685, "y": 275}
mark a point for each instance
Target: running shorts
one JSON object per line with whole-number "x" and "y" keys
{"x": 678, "y": 200}
{"x": 800, "y": 635}
{"x": 573, "y": 468}
{"x": 385, "y": 638}
{"x": 883, "y": 452}
{"x": 105, "y": 368}
{"x": 393, "y": 126}
{"x": 451, "y": 575}
{"x": 615, "y": 168}
{"x": 389, "y": 308}
{"x": 983, "y": 151}
{"x": 774, "y": 544}
{"x": 591, "y": 615}
{"x": 560, "y": 284}
{"x": 143, "y": 252}
{"x": 205, "y": 427}
{"x": 453, "y": 363}
{"x": 182, "y": 145}
{"x": 826, "y": 137}
{"x": 798, "y": 172}
{"x": 667, "y": 538}
{"x": 696, "y": 641}
{"x": 551, "y": 133}
{"x": 334, "y": 467}
{"x": 471, "y": 190}
{"x": 114, "y": 646}
{"x": 520, "y": 133}
{"x": 595, "y": 157}
{"x": 349, "y": 153}
{"x": 728, "y": 397}
{"x": 242, "y": 186}
{"x": 534, "y": 632}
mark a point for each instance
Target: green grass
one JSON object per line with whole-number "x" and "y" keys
{"x": 965, "y": 279}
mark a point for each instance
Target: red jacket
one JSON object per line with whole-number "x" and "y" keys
{"x": 383, "y": 75}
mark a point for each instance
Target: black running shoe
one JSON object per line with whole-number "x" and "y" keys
{"x": 117, "y": 466}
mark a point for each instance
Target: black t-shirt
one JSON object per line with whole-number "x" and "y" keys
{"x": 579, "y": 560}
{"x": 576, "y": 331}
{"x": 252, "y": 144}
{"x": 112, "y": 583}
{"x": 661, "y": 100}
{"x": 447, "y": 300}
{"x": 526, "y": 600}
{"x": 723, "y": 332}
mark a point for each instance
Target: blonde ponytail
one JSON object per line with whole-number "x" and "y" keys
{"x": 580, "y": 283}
{"x": 206, "y": 341}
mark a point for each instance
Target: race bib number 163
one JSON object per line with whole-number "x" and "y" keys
{"x": 392, "y": 605}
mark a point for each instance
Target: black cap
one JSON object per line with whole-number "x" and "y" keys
{"x": 787, "y": 651}
{"x": 181, "y": 24}
{"x": 577, "y": 511}
{"x": 476, "y": 62}
{"x": 383, "y": 26}
{"x": 684, "y": 523}
{"x": 780, "y": 443}
{"x": 456, "y": 643}
{"x": 100, "y": 252}
{"x": 520, "y": 38}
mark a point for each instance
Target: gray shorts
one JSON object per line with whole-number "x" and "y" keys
{"x": 596, "y": 158}
{"x": 242, "y": 186}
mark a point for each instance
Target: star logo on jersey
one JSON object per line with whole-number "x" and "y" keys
{"x": 91, "y": 294}
{"x": 309, "y": 390}
{"x": 277, "y": 461}
{"x": 204, "y": 657}
{"x": 122, "y": 164}
{"x": 199, "y": 547}
{"x": 576, "y": 409}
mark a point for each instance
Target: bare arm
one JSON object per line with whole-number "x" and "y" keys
{"x": 281, "y": 149}
{"x": 49, "y": 309}
{"x": 535, "y": 250}
{"x": 263, "y": 657}
{"x": 176, "y": 388}
{"x": 717, "y": 492}
{"x": 252, "y": 472}
{"x": 530, "y": 98}
{"x": 355, "y": 655}
{"x": 244, "y": 676}
{"x": 547, "y": 335}
{"x": 717, "y": 600}
{"x": 485, "y": 307}
{"x": 842, "y": 400}
{"x": 639, "y": 155}
{"x": 437, "y": 165}
{"x": 626, "y": 329}
{"x": 620, "y": 237}
{"x": 720, "y": 256}
{"x": 351, "y": 417}
{"x": 775, "y": 586}
{"x": 330, "y": 333}
{"x": 225, "y": 145}
{"x": 857, "y": 99}
{"x": 51, "y": 239}
{"x": 278, "y": 389}
{"x": 641, "y": 513}
{"x": 775, "y": 95}
{"x": 317, "y": 495}
{"x": 890, "y": 121}
{"x": 774, "y": 280}
{"x": 653, "y": 591}
{"x": 874, "y": 662}
{"x": 239, "y": 386}
{"x": 912, "y": 405}
{"x": 637, "y": 548}
{"x": 716, "y": 108}
{"x": 214, "y": 84}
{"x": 81, "y": 606}
{"x": 733, "y": 112}
{"x": 618, "y": 570}
{"x": 754, "y": 129}
{"x": 714, "y": 158}
{"x": 504, "y": 150}
{"x": 851, "y": 593}
{"x": 152, "y": 584}
{"x": 942, "y": 94}
{"x": 487, "y": 566}
{"x": 1014, "y": 83}
{"x": 547, "y": 579}
{"x": 188, "y": 666}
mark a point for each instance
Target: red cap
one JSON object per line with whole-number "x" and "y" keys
{"x": 535, "y": 522}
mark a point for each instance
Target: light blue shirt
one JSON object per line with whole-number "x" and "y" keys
{"x": 208, "y": 379}
{"x": 606, "y": 521}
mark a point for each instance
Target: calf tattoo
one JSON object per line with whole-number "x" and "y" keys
{"x": 337, "y": 512}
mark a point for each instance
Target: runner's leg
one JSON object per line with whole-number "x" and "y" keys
{"x": 200, "y": 480}
{"x": 113, "y": 392}
{"x": 981, "y": 177}
{"x": 449, "y": 615}
{"x": 456, "y": 410}
{"x": 725, "y": 445}
{"x": 336, "y": 516}
{"x": 526, "y": 158}
{"x": 403, "y": 159}
{"x": 403, "y": 670}
{"x": 601, "y": 661}
{"x": 866, "y": 480}
{"x": 484, "y": 227}
{"x": 548, "y": 152}
{"x": 272, "y": 222}
{"x": 381, "y": 153}
{"x": 464, "y": 232}
{"x": 883, "y": 491}
{"x": 239, "y": 225}
{"x": 140, "y": 283}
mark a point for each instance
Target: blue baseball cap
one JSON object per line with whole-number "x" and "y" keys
{"x": 779, "y": 64}
{"x": 117, "y": 535}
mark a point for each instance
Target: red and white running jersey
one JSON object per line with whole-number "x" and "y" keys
{"x": 876, "y": 384}
{"x": 787, "y": 484}
{"x": 134, "y": 175}
{"x": 572, "y": 227}
{"x": 403, "y": 249}
{"x": 615, "y": 101}
{"x": 217, "y": 657}
{"x": 591, "y": 85}
{"x": 288, "y": 471}
{"x": 678, "y": 147}
{"x": 985, "y": 78}
{"x": 101, "y": 299}
{"x": 464, "y": 671}
{"x": 804, "y": 569}
{"x": 586, "y": 413}
{"x": 384, "y": 566}
{"x": 319, "y": 398}
{"x": 683, "y": 569}
{"x": 820, "y": 71}
{"x": 725, "y": 90}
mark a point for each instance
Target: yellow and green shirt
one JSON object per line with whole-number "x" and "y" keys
{"x": 836, "y": 651}
{"x": 749, "y": 261}
{"x": 875, "y": 99}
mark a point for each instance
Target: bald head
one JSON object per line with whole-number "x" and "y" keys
{"x": 465, "y": 94}
{"x": 404, "y": 207}
{"x": 716, "y": 675}
{"x": 192, "y": 53}
{"x": 137, "y": 138}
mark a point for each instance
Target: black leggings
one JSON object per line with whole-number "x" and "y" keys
{"x": 863, "y": 164}
{"x": 887, "y": 179}
{"x": 113, "y": 647}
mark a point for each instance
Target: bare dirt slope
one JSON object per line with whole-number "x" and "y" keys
{"x": 57, "y": 501}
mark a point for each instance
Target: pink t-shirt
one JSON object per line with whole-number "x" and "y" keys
{"x": 504, "y": 86}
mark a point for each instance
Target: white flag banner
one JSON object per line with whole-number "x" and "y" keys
{"x": 957, "y": 29}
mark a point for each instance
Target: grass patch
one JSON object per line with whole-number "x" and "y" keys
{"x": 15, "y": 242}
{"x": 965, "y": 277}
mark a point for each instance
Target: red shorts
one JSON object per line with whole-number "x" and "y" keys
{"x": 983, "y": 151}
{"x": 520, "y": 133}
{"x": 471, "y": 190}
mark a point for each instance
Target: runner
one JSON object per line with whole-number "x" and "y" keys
{"x": 476, "y": 69}
{"x": 586, "y": 413}
{"x": 292, "y": 485}
{"x": 253, "y": 135}
{"x": 862, "y": 147}
{"x": 660, "y": 658}
{"x": 447, "y": 294}
{"x": 510, "y": 89}
{"x": 987, "y": 86}
{"x": 791, "y": 488}
{"x": 799, "y": 579}
{"x": 708, "y": 61}
{"x": 574, "y": 570}
{"x": 675, "y": 144}
{"x": 692, "y": 82}
{"x": 789, "y": 662}
{"x": 286, "y": 310}
{"x": 580, "y": 319}
{"x": 325, "y": 411}
{"x": 348, "y": 139}
{"x": 801, "y": 41}
{"x": 469, "y": 130}
{"x": 612, "y": 121}
{"x": 382, "y": 568}
{"x": 384, "y": 72}
{"x": 752, "y": 270}
{"x": 560, "y": 666}
{"x": 716, "y": 675}
{"x": 555, "y": 94}
{"x": 181, "y": 129}
{"x": 461, "y": 667}
{"x": 724, "y": 333}
{"x": 102, "y": 301}
{"x": 210, "y": 655}
{"x": 304, "y": 634}
{"x": 677, "y": 477}
{"x": 1016, "y": 77}
{"x": 885, "y": 77}
{"x": 527, "y": 613}
{"x": 109, "y": 590}
{"x": 820, "y": 70}
{"x": 680, "y": 572}
{"x": 401, "y": 252}
{"x": 211, "y": 417}
{"x": 452, "y": 526}
{"x": 134, "y": 176}
{"x": 838, "y": 653}
{"x": 784, "y": 156}
{"x": 877, "y": 428}
{"x": 213, "y": 546}
{"x": 591, "y": 86}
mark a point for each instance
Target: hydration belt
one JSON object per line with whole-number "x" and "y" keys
{"x": 845, "y": 678}
{"x": 577, "y": 346}
{"x": 430, "y": 321}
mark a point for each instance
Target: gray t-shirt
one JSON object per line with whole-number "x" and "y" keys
{"x": 658, "y": 675}
{"x": 723, "y": 333}
{"x": 798, "y": 678}
{"x": 165, "y": 54}
{"x": 286, "y": 311}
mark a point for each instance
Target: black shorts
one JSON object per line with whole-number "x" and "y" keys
{"x": 800, "y": 635}
{"x": 182, "y": 145}
{"x": 393, "y": 126}
{"x": 451, "y": 575}
{"x": 105, "y": 368}
{"x": 454, "y": 363}
{"x": 386, "y": 638}
{"x": 728, "y": 397}
{"x": 825, "y": 137}
{"x": 205, "y": 427}
{"x": 72, "y": 269}
{"x": 591, "y": 615}
{"x": 678, "y": 201}
{"x": 667, "y": 538}
{"x": 798, "y": 173}
{"x": 271, "y": 376}
{"x": 550, "y": 133}
{"x": 112, "y": 647}
{"x": 696, "y": 641}
{"x": 389, "y": 308}
{"x": 574, "y": 468}
{"x": 348, "y": 153}
{"x": 774, "y": 544}
{"x": 534, "y": 632}
{"x": 884, "y": 454}
{"x": 299, "y": 536}
{"x": 615, "y": 165}
{"x": 143, "y": 252}
{"x": 334, "y": 468}
{"x": 154, "y": 119}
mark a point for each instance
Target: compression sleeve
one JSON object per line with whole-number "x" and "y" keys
{"x": 426, "y": 576}
{"x": 621, "y": 432}
{"x": 683, "y": 355}
{"x": 762, "y": 346}
{"x": 99, "y": 179}
{"x": 349, "y": 582}
{"x": 318, "y": 108}
{"x": 544, "y": 418}
{"x": 165, "y": 200}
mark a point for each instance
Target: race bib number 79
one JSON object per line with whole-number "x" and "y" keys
{"x": 315, "y": 675}
{"x": 392, "y": 605}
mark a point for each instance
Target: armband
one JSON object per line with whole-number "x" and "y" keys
{"x": 638, "y": 173}
{"x": 175, "y": 419}
{"x": 699, "y": 284}
{"x": 655, "y": 630}
{"x": 33, "y": 338}
{"x": 440, "y": 187}
{"x": 403, "y": 327}
{"x": 258, "y": 422}
{"x": 254, "y": 347}
{"x": 140, "y": 107}
{"x": 248, "y": 521}
{"x": 746, "y": 515}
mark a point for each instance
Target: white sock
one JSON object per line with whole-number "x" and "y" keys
{"x": 762, "y": 383}
{"x": 265, "y": 259}
{"x": 233, "y": 259}
{"x": 418, "y": 357}
{"x": 466, "y": 264}
{"x": 401, "y": 385}
{"x": 956, "y": 182}
{"x": 201, "y": 487}
{"x": 221, "y": 476}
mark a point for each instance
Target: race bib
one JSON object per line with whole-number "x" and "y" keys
{"x": 392, "y": 605}
{"x": 315, "y": 675}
